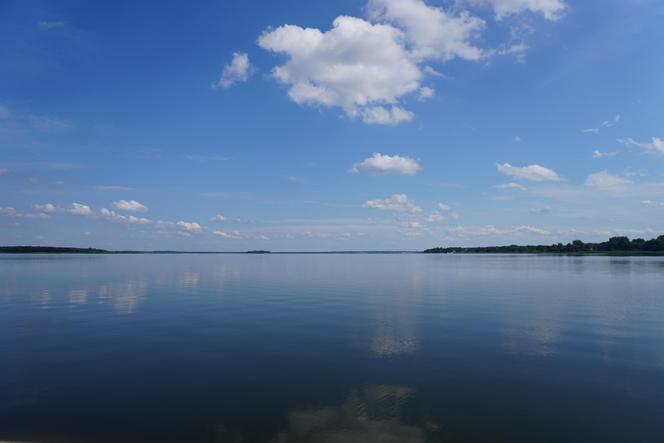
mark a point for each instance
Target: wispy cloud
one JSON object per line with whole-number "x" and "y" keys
{"x": 656, "y": 145}
{"x": 237, "y": 70}
{"x": 535, "y": 173}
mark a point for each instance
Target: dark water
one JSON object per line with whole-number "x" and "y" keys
{"x": 331, "y": 348}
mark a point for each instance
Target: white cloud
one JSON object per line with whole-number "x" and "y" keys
{"x": 189, "y": 226}
{"x": 425, "y": 93}
{"x": 656, "y": 145}
{"x": 600, "y": 154}
{"x": 381, "y": 115}
{"x": 511, "y": 185}
{"x": 653, "y": 203}
{"x": 604, "y": 180}
{"x": 46, "y": 207}
{"x": 541, "y": 211}
{"x": 356, "y": 66}
{"x": 113, "y": 216}
{"x": 233, "y": 235}
{"x": 13, "y": 213}
{"x": 238, "y": 70}
{"x": 79, "y": 209}
{"x": 218, "y": 217}
{"x": 46, "y": 25}
{"x": 386, "y": 164}
{"x": 534, "y": 173}
{"x": 604, "y": 124}
{"x": 550, "y": 9}
{"x": 443, "y": 212}
{"x": 432, "y": 32}
{"x": 493, "y": 230}
{"x": 397, "y": 202}
{"x": 130, "y": 205}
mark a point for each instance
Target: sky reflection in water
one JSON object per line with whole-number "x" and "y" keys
{"x": 290, "y": 348}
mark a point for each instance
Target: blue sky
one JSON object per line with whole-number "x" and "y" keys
{"x": 319, "y": 125}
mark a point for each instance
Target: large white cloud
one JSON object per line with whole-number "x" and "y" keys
{"x": 238, "y": 70}
{"x": 550, "y": 9}
{"x": 356, "y": 65}
{"x": 432, "y": 33}
{"x": 534, "y": 173}
{"x": 130, "y": 205}
{"x": 386, "y": 164}
{"x": 397, "y": 202}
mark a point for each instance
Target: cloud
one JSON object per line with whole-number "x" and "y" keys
{"x": 366, "y": 67}
{"x": 189, "y": 226}
{"x": 13, "y": 213}
{"x": 431, "y": 32}
{"x": 218, "y": 218}
{"x": 107, "y": 214}
{"x": 534, "y": 173}
{"x": 46, "y": 25}
{"x": 425, "y": 93}
{"x": 493, "y": 230}
{"x": 233, "y": 235}
{"x": 442, "y": 213}
{"x": 238, "y": 70}
{"x": 511, "y": 185}
{"x": 655, "y": 146}
{"x": 541, "y": 211}
{"x": 604, "y": 124}
{"x": 653, "y": 203}
{"x": 600, "y": 154}
{"x": 79, "y": 209}
{"x": 46, "y": 207}
{"x": 397, "y": 202}
{"x": 356, "y": 66}
{"x": 550, "y": 9}
{"x": 131, "y": 205}
{"x": 604, "y": 180}
{"x": 385, "y": 164}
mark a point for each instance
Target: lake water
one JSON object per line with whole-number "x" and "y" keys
{"x": 331, "y": 348}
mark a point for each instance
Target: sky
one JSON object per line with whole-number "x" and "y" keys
{"x": 308, "y": 125}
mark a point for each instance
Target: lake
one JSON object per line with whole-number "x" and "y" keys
{"x": 331, "y": 348}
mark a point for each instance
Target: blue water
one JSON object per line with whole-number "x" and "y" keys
{"x": 331, "y": 348}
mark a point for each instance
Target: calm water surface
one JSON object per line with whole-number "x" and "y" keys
{"x": 331, "y": 348}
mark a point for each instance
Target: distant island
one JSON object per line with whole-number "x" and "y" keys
{"x": 50, "y": 250}
{"x": 258, "y": 251}
{"x": 614, "y": 246}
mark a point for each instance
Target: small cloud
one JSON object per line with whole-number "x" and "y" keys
{"x": 80, "y": 209}
{"x": 107, "y": 214}
{"x": 551, "y": 9}
{"x": 238, "y": 70}
{"x": 534, "y": 173}
{"x": 397, "y": 202}
{"x": 425, "y": 93}
{"x": 385, "y": 164}
{"x": 130, "y": 205}
{"x": 46, "y": 25}
{"x": 189, "y": 226}
{"x": 653, "y": 203}
{"x": 234, "y": 235}
{"x": 380, "y": 115}
{"x": 600, "y": 154}
{"x": 541, "y": 211}
{"x": 517, "y": 139}
{"x": 604, "y": 180}
{"x": 218, "y": 218}
{"x": 655, "y": 146}
{"x": 603, "y": 125}
{"x": 46, "y": 207}
{"x": 511, "y": 185}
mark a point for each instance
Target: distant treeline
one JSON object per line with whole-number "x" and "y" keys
{"x": 49, "y": 250}
{"x": 615, "y": 245}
